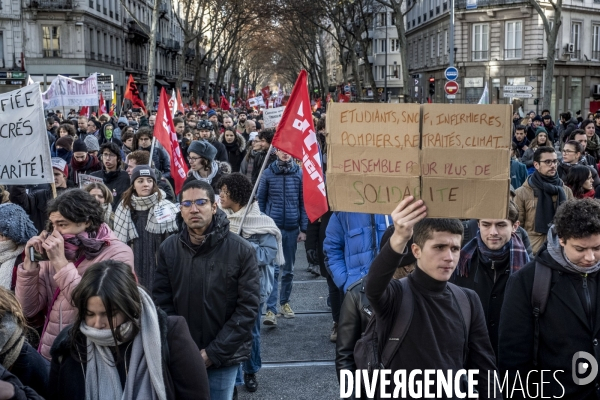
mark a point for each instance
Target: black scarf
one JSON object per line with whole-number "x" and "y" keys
{"x": 285, "y": 166}
{"x": 544, "y": 187}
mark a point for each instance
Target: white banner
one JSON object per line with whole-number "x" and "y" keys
{"x": 85, "y": 180}
{"x": 67, "y": 92}
{"x": 256, "y": 101}
{"x": 272, "y": 116}
{"x": 24, "y": 148}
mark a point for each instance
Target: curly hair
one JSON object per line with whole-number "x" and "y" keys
{"x": 78, "y": 206}
{"x": 238, "y": 186}
{"x": 577, "y": 219}
{"x": 67, "y": 128}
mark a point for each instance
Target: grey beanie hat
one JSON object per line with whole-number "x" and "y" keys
{"x": 142, "y": 170}
{"x": 15, "y": 223}
{"x": 203, "y": 149}
{"x": 91, "y": 143}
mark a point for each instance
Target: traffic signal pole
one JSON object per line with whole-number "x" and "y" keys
{"x": 451, "y": 38}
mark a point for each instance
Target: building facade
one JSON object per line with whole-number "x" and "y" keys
{"x": 12, "y": 64}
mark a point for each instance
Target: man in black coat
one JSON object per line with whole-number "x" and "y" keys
{"x": 112, "y": 173}
{"x": 570, "y": 321}
{"x": 210, "y": 276}
{"x": 439, "y": 337}
{"x": 487, "y": 261}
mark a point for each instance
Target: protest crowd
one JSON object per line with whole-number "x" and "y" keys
{"x": 126, "y": 278}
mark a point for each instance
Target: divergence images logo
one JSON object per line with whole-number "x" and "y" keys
{"x": 583, "y": 367}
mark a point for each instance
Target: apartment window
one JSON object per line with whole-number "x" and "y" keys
{"x": 393, "y": 18}
{"x": 576, "y": 39}
{"x": 381, "y": 69}
{"x": 51, "y": 41}
{"x": 513, "y": 43}
{"x": 446, "y": 48}
{"x": 394, "y": 72}
{"x": 394, "y": 45}
{"x": 480, "y": 41}
{"x": 439, "y": 41}
{"x": 596, "y": 43}
{"x": 382, "y": 19}
{"x": 91, "y": 4}
{"x": 381, "y": 48}
{"x": 432, "y": 46}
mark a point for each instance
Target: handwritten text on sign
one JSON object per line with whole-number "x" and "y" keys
{"x": 24, "y": 149}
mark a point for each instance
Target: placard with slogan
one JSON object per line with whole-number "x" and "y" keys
{"x": 24, "y": 149}
{"x": 465, "y": 160}
{"x": 373, "y": 155}
{"x": 272, "y": 116}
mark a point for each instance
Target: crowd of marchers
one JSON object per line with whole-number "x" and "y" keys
{"x": 119, "y": 287}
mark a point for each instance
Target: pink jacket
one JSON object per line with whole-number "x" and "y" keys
{"x": 35, "y": 289}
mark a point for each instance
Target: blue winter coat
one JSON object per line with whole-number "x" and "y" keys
{"x": 280, "y": 197}
{"x": 349, "y": 245}
{"x": 266, "y": 248}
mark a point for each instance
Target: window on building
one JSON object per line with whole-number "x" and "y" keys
{"x": 382, "y": 19}
{"x": 382, "y": 46}
{"x": 393, "y": 18}
{"x": 480, "y": 41}
{"x": 432, "y": 46}
{"x": 446, "y": 48}
{"x": 51, "y": 41}
{"x": 394, "y": 45}
{"x": 439, "y": 41}
{"x": 381, "y": 73}
{"x": 513, "y": 44}
{"x": 596, "y": 42}
{"x": 576, "y": 39}
{"x": 2, "y": 62}
{"x": 394, "y": 72}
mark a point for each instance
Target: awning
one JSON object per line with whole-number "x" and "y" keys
{"x": 162, "y": 83}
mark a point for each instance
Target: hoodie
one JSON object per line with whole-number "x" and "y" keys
{"x": 117, "y": 130}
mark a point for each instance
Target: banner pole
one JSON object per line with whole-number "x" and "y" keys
{"x": 53, "y": 186}
{"x": 255, "y": 188}
{"x": 151, "y": 151}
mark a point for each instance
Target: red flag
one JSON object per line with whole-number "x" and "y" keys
{"x": 84, "y": 111}
{"x": 296, "y": 135}
{"x": 202, "y": 105}
{"x": 133, "y": 95}
{"x": 224, "y": 104}
{"x": 102, "y": 107}
{"x": 113, "y": 107}
{"x": 343, "y": 98}
{"x": 164, "y": 132}
{"x": 251, "y": 95}
{"x": 212, "y": 104}
{"x": 179, "y": 102}
{"x": 266, "y": 91}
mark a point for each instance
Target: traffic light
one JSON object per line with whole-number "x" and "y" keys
{"x": 431, "y": 85}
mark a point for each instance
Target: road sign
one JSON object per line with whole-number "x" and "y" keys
{"x": 518, "y": 95}
{"x": 516, "y": 88}
{"x": 451, "y": 73}
{"x": 105, "y": 86}
{"x": 105, "y": 78}
{"x": 451, "y": 87}
{"x": 450, "y": 96}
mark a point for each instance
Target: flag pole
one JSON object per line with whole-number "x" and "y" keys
{"x": 151, "y": 151}
{"x": 255, "y": 188}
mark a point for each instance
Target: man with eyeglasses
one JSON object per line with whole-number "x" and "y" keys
{"x": 540, "y": 196}
{"x": 209, "y": 276}
{"x": 579, "y": 135}
{"x": 112, "y": 173}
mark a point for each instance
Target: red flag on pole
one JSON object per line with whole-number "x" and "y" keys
{"x": 202, "y": 105}
{"x": 296, "y": 135}
{"x": 133, "y": 95}
{"x": 179, "y": 102}
{"x": 164, "y": 132}
{"x": 102, "y": 106}
{"x": 84, "y": 111}
{"x": 224, "y": 104}
{"x": 266, "y": 92}
{"x": 251, "y": 95}
{"x": 212, "y": 104}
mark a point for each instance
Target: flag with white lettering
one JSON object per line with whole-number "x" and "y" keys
{"x": 296, "y": 136}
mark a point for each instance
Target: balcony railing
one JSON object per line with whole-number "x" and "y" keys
{"x": 596, "y": 55}
{"x": 462, "y": 4}
{"x": 479, "y": 55}
{"x": 576, "y": 55}
{"x": 52, "y": 53}
{"x": 52, "y": 4}
{"x": 136, "y": 31}
{"x": 513, "y": 54}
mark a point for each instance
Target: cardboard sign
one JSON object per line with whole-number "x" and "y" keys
{"x": 67, "y": 92}
{"x": 85, "y": 180}
{"x": 272, "y": 116}
{"x": 455, "y": 157}
{"x": 24, "y": 149}
{"x": 373, "y": 155}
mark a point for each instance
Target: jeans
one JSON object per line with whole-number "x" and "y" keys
{"x": 336, "y": 296}
{"x": 222, "y": 382}
{"x": 290, "y": 244}
{"x": 252, "y": 365}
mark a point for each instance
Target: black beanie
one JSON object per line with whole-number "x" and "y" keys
{"x": 142, "y": 170}
{"x": 79, "y": 145}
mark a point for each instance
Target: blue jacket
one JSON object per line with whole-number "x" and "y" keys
{"x": 266, "y": 248}
{"x": 350, "y": 245}
{"x": 518, "y": 173}
{"x": 280, "y": 197}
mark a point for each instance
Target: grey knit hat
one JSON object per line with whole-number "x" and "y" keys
{"x": 15, "y": 223}
{"x": 142, "y": 170}
{"x": 203, "y": 149}
{"x": 92, "y": 143}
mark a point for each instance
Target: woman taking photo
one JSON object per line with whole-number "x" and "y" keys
{"x": 580, "y": 180}
{"x": 143, "y": 220}
{"x": 235, "y": 144}
{"x": 121, "y": 346}
{"x": 101, "y": 193}
{"x": 15, "y": 230}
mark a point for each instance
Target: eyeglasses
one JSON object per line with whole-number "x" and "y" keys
{"x": 193, "y": 159}
{"x": 108, "y": 155}
{"x": 198, "y": 203}
{"x": 549, "y": 162}
{"x": 568, "y": 151}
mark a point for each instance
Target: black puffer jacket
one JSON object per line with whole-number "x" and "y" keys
{"x": 117, "y": 181}
{"x": 215, "y": 287}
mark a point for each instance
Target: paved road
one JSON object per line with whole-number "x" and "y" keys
{"x": 297, "y": 356}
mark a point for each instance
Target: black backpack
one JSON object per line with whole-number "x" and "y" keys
{"x": 539, "y": 298}
{"x": 370, "y": 355}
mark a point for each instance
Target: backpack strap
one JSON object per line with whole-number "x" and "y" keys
{"x": 401, "y": 324}
{"x": 465, "y": 310}
{"x": 539, "y": 299}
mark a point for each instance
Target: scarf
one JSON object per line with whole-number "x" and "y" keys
{"x": 11, "y": 340}
{"x": 285, "y": 166}
{"x": 557, "y": 252}
{"x": 518, "y": 254}
{"x": 125, "y": 228}
{"x": 9, "y": 251}
{"x": 256, "y": 223}
{"x": 91, "y": 243}
{"x": 214, "y": 168}
{"x": 544, "y": 187}
{"x": 144, "y": 377}
{"x": 593, "y": 143}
